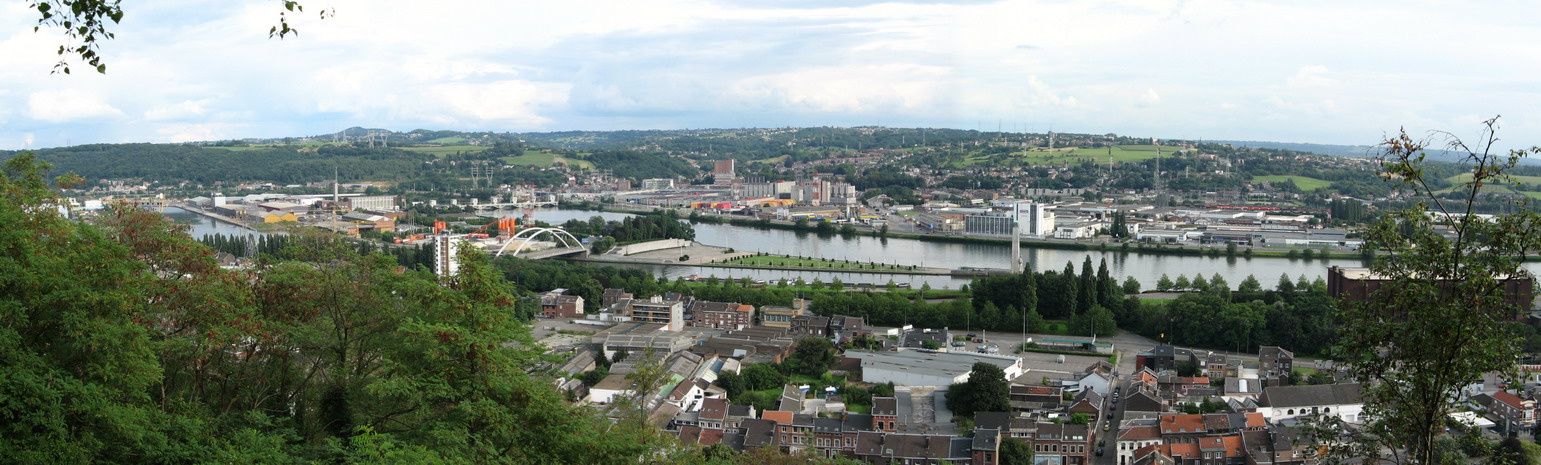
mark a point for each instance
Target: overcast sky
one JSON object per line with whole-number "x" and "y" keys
{"x": 1293, "y": 71}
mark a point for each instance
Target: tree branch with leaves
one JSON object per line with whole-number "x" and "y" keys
{"x": 1437, "y": 321}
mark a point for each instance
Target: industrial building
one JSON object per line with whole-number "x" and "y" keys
{"x": 927, "y": 368}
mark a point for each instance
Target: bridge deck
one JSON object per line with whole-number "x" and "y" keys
{"x": 552, "y": 252}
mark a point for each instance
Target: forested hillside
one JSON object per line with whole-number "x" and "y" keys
{"x": 170, "y": 163}
{"x": 121, "y": 341}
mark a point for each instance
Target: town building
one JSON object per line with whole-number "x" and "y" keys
{"x": 556, "y": 304}
{"x": 721, "y": 315}
{"x": 927, "y": 368}
{"x": 1286, "y": 402}
{"x": 1359, "y": 284}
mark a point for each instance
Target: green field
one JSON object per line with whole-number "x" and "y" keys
{"x": 448, "y": 140}
{"x": 772, "y": 260}
{"x": 441, "y": 151}
{"x": 1303, "y": 182}
{"x": 546, "y": 160}
{"x": 1529, "y": 186}
{"x": 772, "y": 159}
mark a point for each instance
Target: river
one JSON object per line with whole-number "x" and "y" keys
{"x": 1145, "y": 268}
{"x": 203, "y": 226}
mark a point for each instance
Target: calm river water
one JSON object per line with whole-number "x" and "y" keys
{"x": 1145, "y": 268}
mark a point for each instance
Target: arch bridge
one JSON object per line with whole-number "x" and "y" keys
{"x": 567, "y": 244}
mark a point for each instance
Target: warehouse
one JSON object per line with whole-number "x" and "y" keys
{"x": 927, "y": 368}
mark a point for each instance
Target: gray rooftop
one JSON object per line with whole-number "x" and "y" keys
{"x": 949, "y": 364}
{"x": 1305, "y": 396}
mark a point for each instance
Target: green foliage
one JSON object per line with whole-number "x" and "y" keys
{"x": 987, "y": 390}
{"x": 812, "y": 356}
{"x": 123, "y": 341}
{"x": 1079, "y": 419}
{"x": 1015, "y": 452}
{"x": 1409, "y": 366}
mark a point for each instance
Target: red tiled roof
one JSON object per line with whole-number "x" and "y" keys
{"x": 1186, "y": 423}
{"x": 1255, "y": 420}
{"x": 1233, "y": 447}
{"x": 1512, "y": 400}
{"x": 1139, "y": 433}
{"x": 778, "y": 416}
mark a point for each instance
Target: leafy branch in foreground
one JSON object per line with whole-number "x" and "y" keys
{"x": 1437, "y": 321}
{"x": 86, "y": 23}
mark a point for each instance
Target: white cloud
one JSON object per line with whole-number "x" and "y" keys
{"x": 56, "y": 106}
{"x": 1311, "y": 76}
{"x": 508, "y": 102}
{"x": 1337, "y": 71}
{"x": 185, "y": 110}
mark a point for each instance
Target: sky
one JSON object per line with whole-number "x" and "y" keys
{"x": 1328, "y": 72}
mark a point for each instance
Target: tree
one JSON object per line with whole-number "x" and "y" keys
{"x": 1015, "y": 452}
{"x": 1199, "y": 283}
{"x": 814, "y": 355}
{"x": 1165, "y": 283}
{"x": 1182, "y": 283}
{"x": 1131, "y": 285}
{"x": 1409, "y": 366}
{"x": 987, "y": 390}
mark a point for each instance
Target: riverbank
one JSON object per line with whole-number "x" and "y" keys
{"x": 1130, "y": 247}
{"x": 697, "y": 254}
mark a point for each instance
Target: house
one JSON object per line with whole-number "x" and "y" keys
{"x": 1036, "y": 397}
{"x": 1062, "y": 444}
{"x": 1144, "y": 380}
{"x": 713, "y": 414}
{"x": 555, "y": 304}
{"x": 759, "y": 432}
{"x": 1096, "y": 382}
{"x": 810, "y": 325}
{"x": 1143, "y": 401}
{"x": 1088, "y": 402}
{"x": 1275, "y": 365}
{"x": 885, "y": 414}
{"x": 778, "y": 317}
{"x": 1214, "y": 365}
{"x": 669, "y": 313}
{"x": 1181, "y": 428}
{"x": 917, "y": 449}
{"x": 1285, "y": 402}
{"x": 1163, "y": 357}
{"x": 1222, "y": 450}
{"x": 1133, "y": 438}
{"x": 1517, "y": 411}
{"x": 721, "y": 315}
{"x": 986, "y": 446}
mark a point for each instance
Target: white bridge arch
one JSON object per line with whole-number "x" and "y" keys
{"x": 560, "y": 234}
